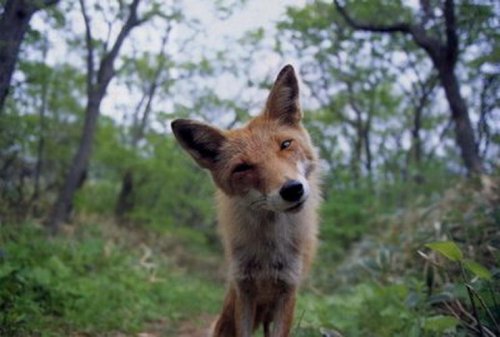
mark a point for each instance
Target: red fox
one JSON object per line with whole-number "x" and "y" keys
{"x": 266, "y": 174}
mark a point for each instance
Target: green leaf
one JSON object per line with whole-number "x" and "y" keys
{"x": 440, "y": 323}
{"x": 448, "y": 249}
{"x": 477, "y": 269}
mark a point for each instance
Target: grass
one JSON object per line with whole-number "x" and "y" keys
{"x": 89, "y": 283}
{"x": 100, "y": 279}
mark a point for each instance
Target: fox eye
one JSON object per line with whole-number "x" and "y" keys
{"x": 286, "y": 144}
{"x": 243, "y": 167}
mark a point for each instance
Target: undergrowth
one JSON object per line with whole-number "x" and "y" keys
{"x": 89, "y": 283}
{"x": 405, "y": 277}
{"x": 391, "y": 283}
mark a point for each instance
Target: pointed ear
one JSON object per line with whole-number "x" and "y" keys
{"x": 283, "y": 101}
{"x": 201, "y": 141}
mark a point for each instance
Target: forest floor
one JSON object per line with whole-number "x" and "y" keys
{"x": 99, "y": 278}
{"x": 199, "y": 328}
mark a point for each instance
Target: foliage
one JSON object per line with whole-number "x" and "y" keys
{"x": 159, "y": 168}
{"x": 389, "y": 284}
{"x": 93, "y": 283}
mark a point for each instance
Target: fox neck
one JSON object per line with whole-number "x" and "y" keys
{"x": 238, "y": 222}
{"x": 262, "y": 239}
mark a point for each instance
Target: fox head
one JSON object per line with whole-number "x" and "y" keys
{"x": 265, "y": 164}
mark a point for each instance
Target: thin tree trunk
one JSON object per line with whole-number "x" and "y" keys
{"x": 444, "y": 56}
{"x": 368, "y": 152}
{"x": 14, "y": 24}
{"x": 41, "y": 138}
{"x": 366, "y": 135}
{"x": 125, "y": 201}
{"x": 358, "y": 147}
{"x": 356, "y": 160}
{"x": 490, "y": 84}
{"x": 464, "y": 134}
{"x": 79, "y": 164}
{"x": 415, "y": 132}
{"x": 41, "y": 145}
{"x": 97, "y": 84}
{"x": 416, "y": 154}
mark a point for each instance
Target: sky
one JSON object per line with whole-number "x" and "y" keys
{"x": 215, "y": 30}
{"x": 213, "y": 33}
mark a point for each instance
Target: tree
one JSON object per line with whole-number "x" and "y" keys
{"x": 14, "y": 22}
{"x": 97, "y": 83}
{"x": 419, "y": 95}
{"x": 153, "y": 77}
{"x": 351, "y": 80}
{"x": 444, "y": 55}
{"x": 41, "y": 134}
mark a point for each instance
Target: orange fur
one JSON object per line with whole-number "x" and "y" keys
{"x": 267, "y": 200}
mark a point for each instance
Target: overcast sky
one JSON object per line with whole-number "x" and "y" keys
{"x": 215, "y": 31}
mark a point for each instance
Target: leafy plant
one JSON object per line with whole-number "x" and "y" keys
{"x": 485, "y": 320}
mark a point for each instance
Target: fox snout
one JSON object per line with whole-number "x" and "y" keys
{"x": 292, "y": 191}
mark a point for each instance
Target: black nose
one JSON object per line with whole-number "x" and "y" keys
{"x": 292, "y": 190}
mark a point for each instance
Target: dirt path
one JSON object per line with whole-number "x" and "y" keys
{"x": 197, "y": 328}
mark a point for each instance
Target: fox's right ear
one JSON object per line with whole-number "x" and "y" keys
{"x": 200, "y": 140}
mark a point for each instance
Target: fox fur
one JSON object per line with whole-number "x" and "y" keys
{"x": 266, "y": 174}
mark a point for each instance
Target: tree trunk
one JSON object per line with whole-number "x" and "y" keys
{"x": 416, "y": 152}
{"x": 14, "y": 23}
{"x": 416, "y": 139}
{"x": 464, "y": 134}
{"x": 97, "y": 83}
{"x": 358, "y": 149}
{"x": 78, "y": 168}
{"x": 125, "y": 201}
{"x": 368, "y": 152}
{"x": 444, "y": 55}
{"x": 41, "y": 137}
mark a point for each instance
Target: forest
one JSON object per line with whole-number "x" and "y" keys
{"x": 108, "y": 228}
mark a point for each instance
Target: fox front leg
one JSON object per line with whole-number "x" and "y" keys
{"x": 245, "y": 308}
{"x": 283, "y": 314}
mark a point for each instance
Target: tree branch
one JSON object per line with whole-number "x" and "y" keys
{"x": 401, "y": 27}
{"x": 153, "y": 86}
{"x": 431, "y": 45}
{"x": 451, "y": 31}
{"x": 106, "y": 67}
{"x": 90, "y": 48}
{"x": 352, "y": 101}
{"x": 45, "y": 3}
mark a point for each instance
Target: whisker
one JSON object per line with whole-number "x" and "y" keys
{"x": 258, "y": 202}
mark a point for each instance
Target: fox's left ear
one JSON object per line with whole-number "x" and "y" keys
{"x": 283, "y": 101}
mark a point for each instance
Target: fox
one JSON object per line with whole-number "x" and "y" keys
{"x": 267, "y": 181}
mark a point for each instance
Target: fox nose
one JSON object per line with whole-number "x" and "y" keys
{"x": 292, "y": 190}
